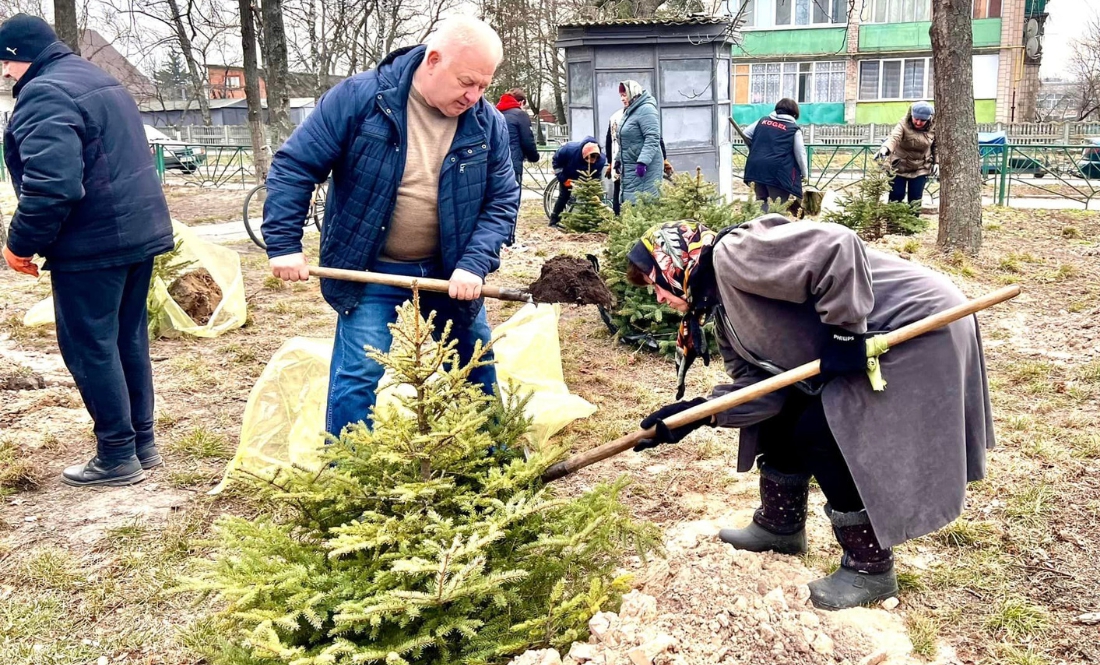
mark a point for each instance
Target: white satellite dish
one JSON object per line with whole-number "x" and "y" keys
{"x": 1033, "y": 47}
{"x": 1031, "y": 30}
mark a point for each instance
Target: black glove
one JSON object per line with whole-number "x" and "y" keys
{"x": 666, "y": 435}
{"x": 845, "y": 353}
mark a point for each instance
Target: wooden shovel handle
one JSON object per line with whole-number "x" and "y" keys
{"x": 772, "y": 384}
{"x": 401, "y": 281}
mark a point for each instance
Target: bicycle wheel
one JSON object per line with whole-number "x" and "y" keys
{"x": 317, "y": 207}
{"x": 549, "y": 196}
{"x": 254, "y": 212}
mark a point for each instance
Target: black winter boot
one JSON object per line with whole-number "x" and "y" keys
{"x": 779, "y": 524}
{"x": 866, "y": 574}
{"x": 149, "y": 456}
{"x": 103, "y": 472}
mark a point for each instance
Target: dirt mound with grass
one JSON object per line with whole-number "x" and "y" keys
{"x": 571, "y": 280}
{"x": 708, "y": 603}
{"x": 198, "y": 294}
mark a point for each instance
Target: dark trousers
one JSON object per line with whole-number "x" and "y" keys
{"x": 915, "y": 187}
{"x": 103, "y": 334}
{"x": 616, "y": 189}
{"x": 798, "y": 441}
{"x": 559, "y": 205}
{"x": 766, "y": 194}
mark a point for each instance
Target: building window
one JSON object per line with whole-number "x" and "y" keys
{"x": 741, "y": 84}
{"x": 781, "y": 13}
{"x": 907, "y": 79}
{"x": 810, "y": 12}
{"x": 233, "y": 81}
{"x": 899, "y": 11}
{"x": 804, "y": 82}
{"x": 987, "y": 8}
{"x": 912, "y": 79}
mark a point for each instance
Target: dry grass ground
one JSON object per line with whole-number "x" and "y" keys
{"x": 84, "y": 573}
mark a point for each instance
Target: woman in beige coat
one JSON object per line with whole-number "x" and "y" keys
{"x": 911, "y": 150}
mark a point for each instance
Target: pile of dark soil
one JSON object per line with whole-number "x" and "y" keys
{"x": 198, "y": 294}
{"x": 572, "y": 280}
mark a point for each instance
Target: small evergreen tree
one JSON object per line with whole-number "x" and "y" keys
{"x": 589, "y": 213}
{"x": 429, "y": 539}
{"x": 638, "y": 317}
{"x": 864, "y": 211}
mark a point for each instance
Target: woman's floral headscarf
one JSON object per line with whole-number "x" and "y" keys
{"x": 676, "y": 257}
{"x": 632, "y": 89}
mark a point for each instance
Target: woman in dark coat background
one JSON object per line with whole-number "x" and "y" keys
{"x": 521, "y": 141}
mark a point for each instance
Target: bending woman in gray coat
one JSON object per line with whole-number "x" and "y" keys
{"x": 639, "y": 143}
{"x": 893, "y": 465}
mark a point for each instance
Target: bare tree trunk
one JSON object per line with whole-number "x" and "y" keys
{"x": 197, "y": 81}
{"x": 278, "y": 97}
{"x": 252, "y": 90}
{"x": 956, "y": 128}
{"x": 64, "y": 13}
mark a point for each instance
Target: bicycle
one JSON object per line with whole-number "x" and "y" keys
{"x": 254, "y": 208}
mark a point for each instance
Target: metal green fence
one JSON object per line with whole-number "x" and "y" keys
{"x": 204, "y": 165}
{"x": 1065, "y": 172}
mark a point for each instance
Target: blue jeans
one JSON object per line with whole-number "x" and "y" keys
{"x": 354, "y": 378}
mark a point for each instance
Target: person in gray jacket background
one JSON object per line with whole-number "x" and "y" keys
{"x": 639, "y": 143}
{"x": 894, "y": 464}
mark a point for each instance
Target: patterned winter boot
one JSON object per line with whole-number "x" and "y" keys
{"x": 866, "y": 574}
{"x": 779, "y": 524}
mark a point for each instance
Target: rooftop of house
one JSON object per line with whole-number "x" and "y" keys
{"x": 96, "y": 49}
{"x": 694, "y": 19}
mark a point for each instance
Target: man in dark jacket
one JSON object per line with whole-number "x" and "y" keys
{"x": 91, "y": 204}
{"x": 422, "y": 186}
{"x": 571, "y": 161}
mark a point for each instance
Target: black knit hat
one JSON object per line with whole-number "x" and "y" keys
{"x": 23, "y": 38}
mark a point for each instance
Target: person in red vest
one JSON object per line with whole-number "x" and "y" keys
{"x": 777, "y": 156}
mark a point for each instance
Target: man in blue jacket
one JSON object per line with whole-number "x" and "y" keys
{"x": 570, "y": 162}
{"x": 91, "y": 204}
{"x": 422, "y": 186}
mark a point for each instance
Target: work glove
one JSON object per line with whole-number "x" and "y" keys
{"x": 666, "y": 435}
{"x": 668, "y": 169}
{"x": 845, "y": 353}
{"x": 19, "y": 263}
{"x": 640, "y": 169}
{"x": 569, "y": 184}
{"x": 882, "y": 153}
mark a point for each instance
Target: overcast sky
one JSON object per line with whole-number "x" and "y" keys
{"x": 1067, "y": 22}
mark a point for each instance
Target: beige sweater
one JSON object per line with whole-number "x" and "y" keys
{"x": 414, "y": 228}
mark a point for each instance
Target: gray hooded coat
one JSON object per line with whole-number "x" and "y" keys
{"x": 911, "y": 448}
{"x": 640, "y": 142}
